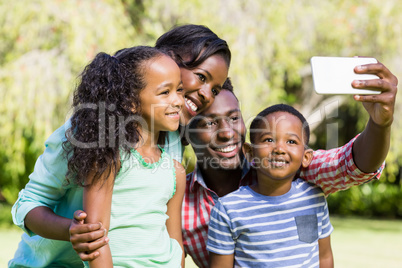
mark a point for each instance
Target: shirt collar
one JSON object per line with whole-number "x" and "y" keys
{"x": 198, "y": 179}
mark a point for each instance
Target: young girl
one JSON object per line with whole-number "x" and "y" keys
{"x": 123, "y": 106}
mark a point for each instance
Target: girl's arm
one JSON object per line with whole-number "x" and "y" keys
{"x": 325, "y": 251}
{"x": 220, "y": 261}
{"x": 97, "y": 203}
{"x": 173, "y": 224}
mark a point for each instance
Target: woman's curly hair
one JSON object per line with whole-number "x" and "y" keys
{"x": 106, "y": 105}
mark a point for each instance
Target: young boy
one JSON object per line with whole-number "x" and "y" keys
{"x": 281, "y": 220}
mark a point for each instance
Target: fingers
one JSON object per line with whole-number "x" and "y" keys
{"x": 81, "y": 228}
{"x": 86, "y": 232}
{"x": 378, "y": 69}
{"x": 88, "y": 256}
{"x": 85, "y": 243}
{"x": 79, "y": 215}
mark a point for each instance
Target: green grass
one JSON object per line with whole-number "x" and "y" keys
{"x": 356, "y": 242}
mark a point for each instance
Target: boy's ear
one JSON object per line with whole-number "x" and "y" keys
{"x": 307, "y": 157}
{"x": 248, "y": 151}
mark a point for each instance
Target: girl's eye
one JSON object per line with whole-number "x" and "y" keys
{"x": 202, "y": 77}
{"x": 166, "y": 92}
{"x": 292, "y": 142}
{"x": 215, "y": 91}
{"x": 268, "y": 140}
{"x": 180, "y": 89}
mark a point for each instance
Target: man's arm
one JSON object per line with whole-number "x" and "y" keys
{"x": 360, "y": 160}
{"x": 371, "y": 147}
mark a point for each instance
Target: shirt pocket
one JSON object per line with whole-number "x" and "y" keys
{"x": 307, "y": 228}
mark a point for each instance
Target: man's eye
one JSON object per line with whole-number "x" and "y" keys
{"x": 209, "y": 124}
{"x": 234, "y": 118}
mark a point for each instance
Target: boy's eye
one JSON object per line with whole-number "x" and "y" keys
{"x": 202, "y": 77}
{"x": 268, "y": 140}
{"x": 180, "y": 89}
{"x": 292, "y": 142}
{"x": 166, "y": 92}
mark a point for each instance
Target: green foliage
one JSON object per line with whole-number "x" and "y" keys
{"x": 372, "y": 199}
{"x": 45, "y": 44}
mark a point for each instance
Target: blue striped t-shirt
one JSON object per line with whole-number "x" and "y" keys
{"x": 270, "y": 231}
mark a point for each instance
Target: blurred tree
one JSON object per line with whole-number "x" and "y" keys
{"x": 45, "y": 44}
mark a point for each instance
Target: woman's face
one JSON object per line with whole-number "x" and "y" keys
{"x": 201, "y": 85}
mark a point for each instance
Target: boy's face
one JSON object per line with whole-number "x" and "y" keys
{"x": 219, "y": 134}
{"x": 279, "y": 147}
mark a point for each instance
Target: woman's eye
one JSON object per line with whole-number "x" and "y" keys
{"x": 215, "y": 91}
{"x": 202, "y": 77}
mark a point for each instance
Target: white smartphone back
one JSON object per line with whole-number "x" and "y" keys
{"x": 334, "y": 75}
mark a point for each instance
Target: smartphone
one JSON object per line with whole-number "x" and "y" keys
{"x": 334, "y": 75}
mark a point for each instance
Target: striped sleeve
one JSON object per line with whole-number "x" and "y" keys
{"x": 220, "y": 239}
{"x": 327, "y": 228}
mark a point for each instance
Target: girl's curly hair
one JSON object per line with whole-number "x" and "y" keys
{"x": 106, "y": 105}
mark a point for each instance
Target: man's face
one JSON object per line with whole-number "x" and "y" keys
{"x": 219, "y": 133}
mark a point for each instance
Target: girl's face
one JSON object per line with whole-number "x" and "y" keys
{"x": 201, "y": 85}
{"x": 162, "y": 98}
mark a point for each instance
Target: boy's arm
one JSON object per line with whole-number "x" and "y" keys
{"x": 220, "y": 261}
{"x": 325, "y": 253}
{"x": 97, "y": 203}
{"x": 173, "y": 224}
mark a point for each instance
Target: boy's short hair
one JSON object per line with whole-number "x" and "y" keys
{"x": 259, "y": 119}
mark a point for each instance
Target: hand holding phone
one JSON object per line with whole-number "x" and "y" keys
{"x": 334, "y": 75}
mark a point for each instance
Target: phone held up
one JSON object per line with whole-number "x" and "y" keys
{"x": 334, "y": 75}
